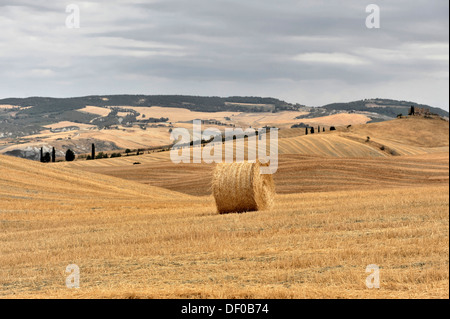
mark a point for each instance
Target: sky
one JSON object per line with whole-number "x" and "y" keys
{"x": 311, "y": 52}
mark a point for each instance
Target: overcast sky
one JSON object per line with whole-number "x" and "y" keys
{"x": 311, "y": 52}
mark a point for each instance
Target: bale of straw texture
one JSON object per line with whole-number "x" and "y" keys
{"x": 240, "y": 187}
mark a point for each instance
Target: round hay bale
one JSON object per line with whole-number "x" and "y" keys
{"x": 240, "y": 187}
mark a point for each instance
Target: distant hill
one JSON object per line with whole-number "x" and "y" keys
{"x": 378, "y": 110}
{"x": 110, "y": 120}
{"x": 382, "y": 107}
{"x": 62, "y": 108}
{"x": 193, "y": 103}
{"x": 33, "y": 113}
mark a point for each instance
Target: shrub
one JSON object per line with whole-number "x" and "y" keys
{"x": 70, "y": 155}
{"x": 101, "y": 155}
{"x": 394, "y": 153}
{"x": 46, "y": 158}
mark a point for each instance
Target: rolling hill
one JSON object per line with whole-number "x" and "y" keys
{"x": 406, "y": 136}
{"x": 339, "y": 160}
{"x": 332, "y": 217}
{"x": 152, "y": 230}
{"x": 28, "y": 124}
{"x": 382, "y": 107}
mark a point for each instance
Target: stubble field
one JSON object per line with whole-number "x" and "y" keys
{"x": 152, "y": 230}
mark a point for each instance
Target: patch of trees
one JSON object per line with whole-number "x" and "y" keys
{"x": 114, "y": 119}
{"x": 301, "y": 125}
{"x": 48, "y": 157}
{"x": 101, "y": 155}
{"x": 154, "y": 120}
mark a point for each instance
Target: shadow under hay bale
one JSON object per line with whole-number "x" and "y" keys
{"x": 240, "y": 187}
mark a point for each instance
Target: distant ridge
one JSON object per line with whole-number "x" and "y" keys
{"x": 386, "y": 107}
{"x": 378, "y": 110}
{"x": 193, "y": 103}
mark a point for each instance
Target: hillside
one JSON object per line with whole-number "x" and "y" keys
{"x": 407, "y": 136}
{"x": 24, "y": 181}
{"x": 131, "y": 240}
{"x": 339, "y": 160}
{"x": 382, "y": 107}
{"x": 152, "y": 230}
{"x": 41, "y": 105}
{"x": 413, "y": 131}
{"x": 296, "y": 173}
{"x": 141, "y": 122}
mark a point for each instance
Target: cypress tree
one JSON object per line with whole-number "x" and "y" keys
{"x": 53, "y": 155}
{"x": 93, "y": 151}
{"x": 306, "y": 131}
{"x": 42, "y": 155}
{"x": 312, "y": 130}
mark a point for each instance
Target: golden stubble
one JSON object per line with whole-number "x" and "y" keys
{"x": 136, "y": 241}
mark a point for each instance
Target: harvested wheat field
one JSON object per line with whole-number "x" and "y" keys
{"x": 154, "y": 230}
{"x": 296, "y": 173}
{"x": 101, "y": 111}
{"x": 132, "y": 240}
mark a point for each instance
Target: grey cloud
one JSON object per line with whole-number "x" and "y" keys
{"x": 288, "y": 49}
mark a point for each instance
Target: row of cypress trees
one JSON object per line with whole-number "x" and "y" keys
{"x": 312, "y": 130}
{"x": 47, "y": 157}
{"x": 70, "y": 155}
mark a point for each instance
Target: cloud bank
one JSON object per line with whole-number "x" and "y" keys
{"x": 311, "y": 52}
